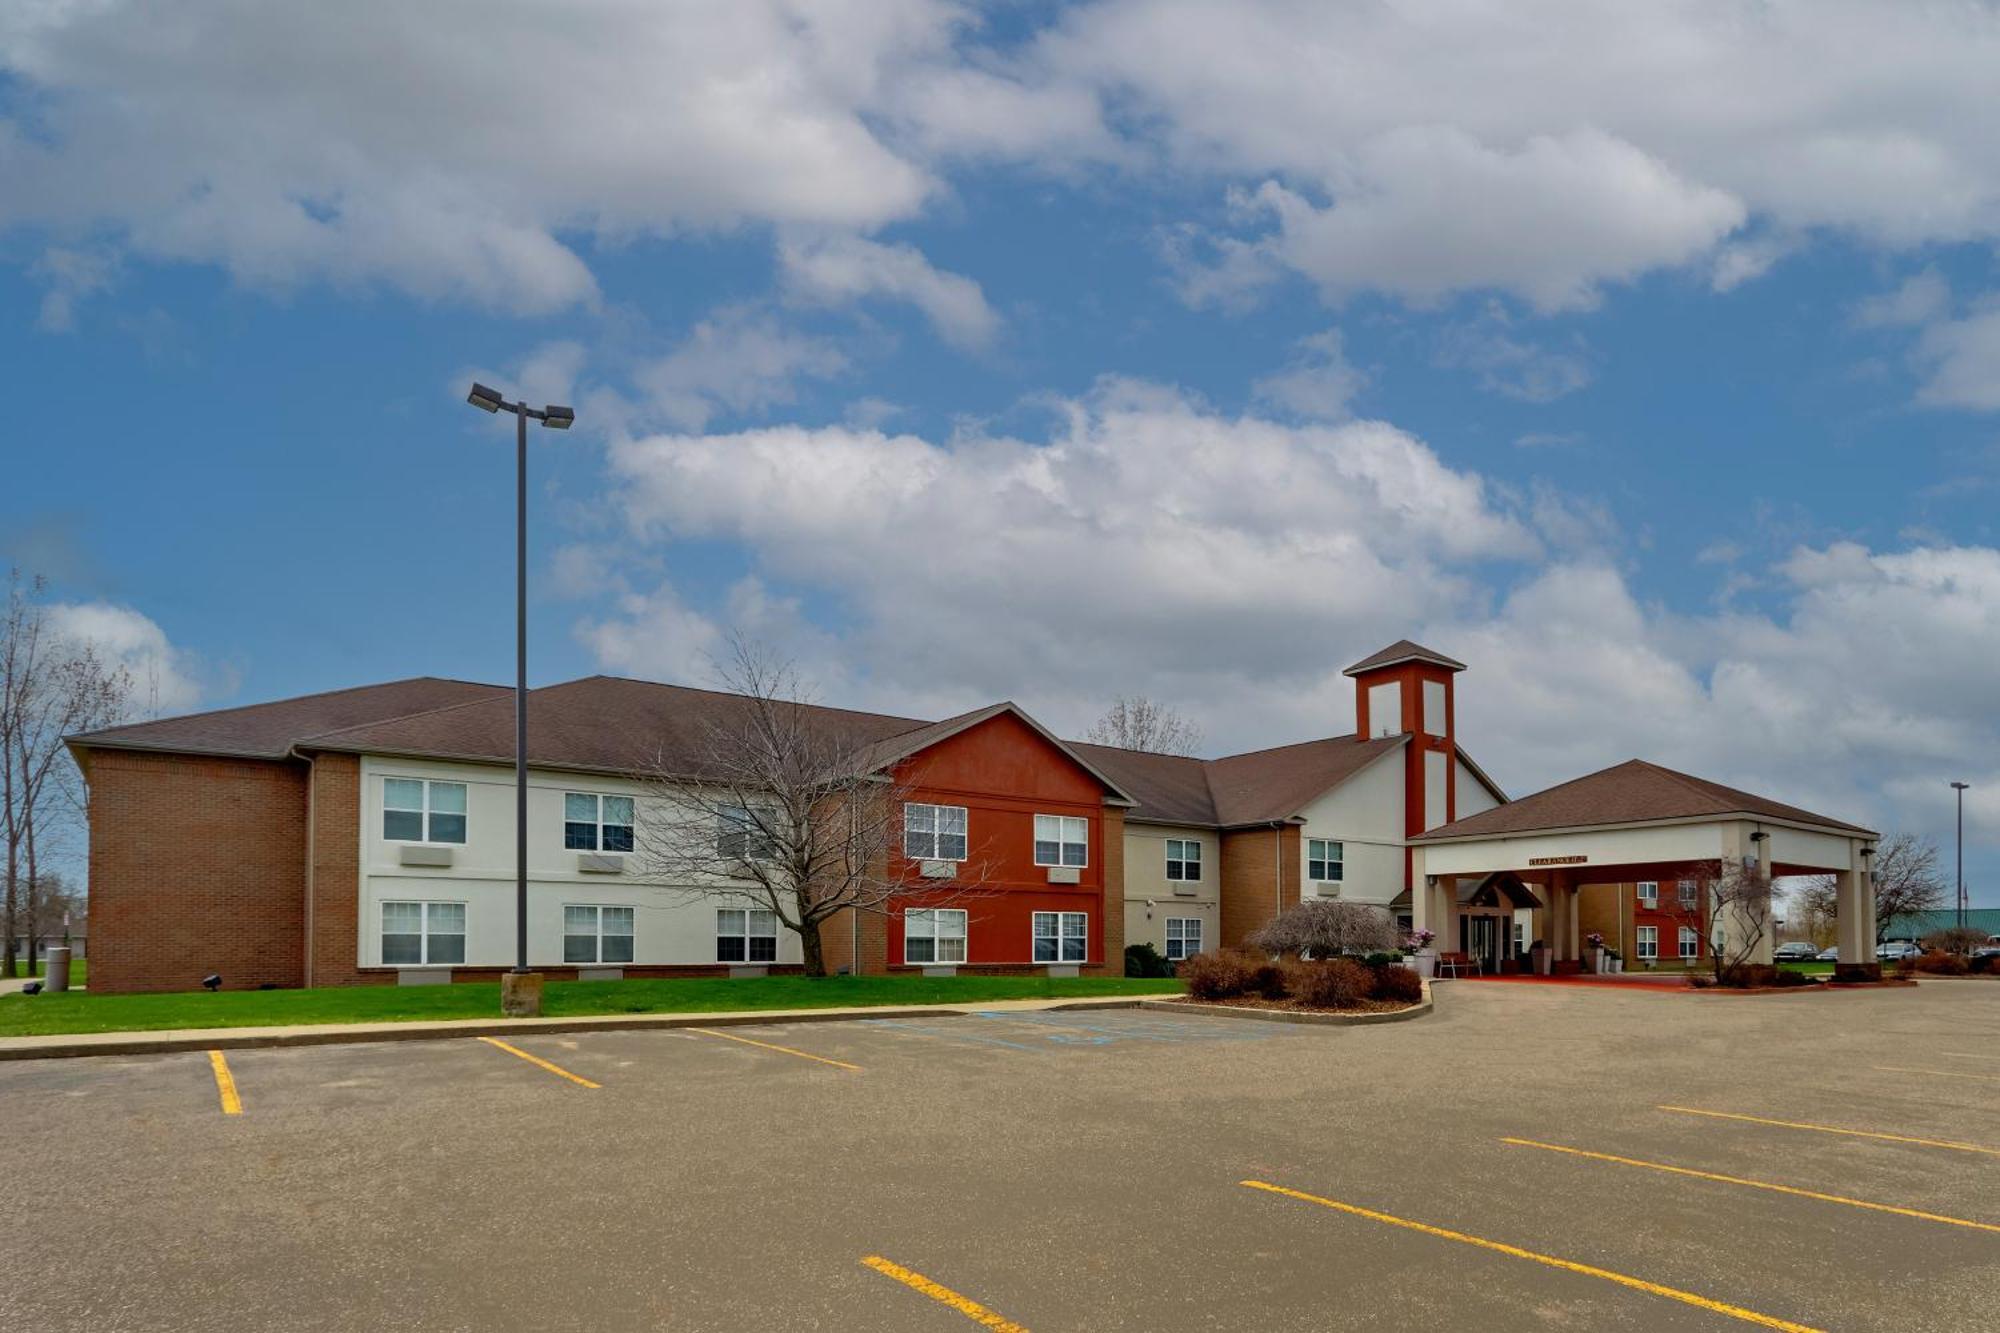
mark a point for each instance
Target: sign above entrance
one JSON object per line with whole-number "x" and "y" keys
{"x": 1557, "y": 860}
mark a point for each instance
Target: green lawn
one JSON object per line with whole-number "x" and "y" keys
{"x": 1812, "y": 969}
{"x": 23, "y": 1015}
{"x": 79, "y": 969}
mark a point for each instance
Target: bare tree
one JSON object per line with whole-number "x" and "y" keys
{"x": 50, "y": 686}
{"x": 1138, "y": 723}
{"x": 1329, "y": 930}
{"x": 784, "y": 810}
{"x": 1906, "y": 880}
{"x": 1738, "y": 895}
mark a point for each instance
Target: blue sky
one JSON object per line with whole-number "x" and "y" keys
{"x": 1053, "y": 352}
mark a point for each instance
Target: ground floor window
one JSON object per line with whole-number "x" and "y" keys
{"x": 420, "y": 934}
{"x": 1183, "y": 937}
{"x": 746, "y": 935}
{"x": 1649, "y": 942}
{"x": 934, "y": 935}
{"x": 1062, "y": 937}
{"x": 1690, "y": 942}
{"x": 593, "y": 934}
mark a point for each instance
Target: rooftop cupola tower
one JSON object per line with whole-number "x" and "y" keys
{"x": 1407, "y": 689}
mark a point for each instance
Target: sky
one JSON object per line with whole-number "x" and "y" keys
{"x": 1644, "y": 358}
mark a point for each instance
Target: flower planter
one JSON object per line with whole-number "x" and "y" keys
{"x": 1423, "y": 962}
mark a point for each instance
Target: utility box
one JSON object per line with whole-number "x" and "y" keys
{"x": 55, "y": 975}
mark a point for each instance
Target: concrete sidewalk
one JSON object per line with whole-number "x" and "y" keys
{"x": 72, "y": 1044}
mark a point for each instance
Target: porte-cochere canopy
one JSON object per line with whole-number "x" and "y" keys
{"x": 1639, "y": 821}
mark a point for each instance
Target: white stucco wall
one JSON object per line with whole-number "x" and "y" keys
{"x": 668, "y": 929}
{"x": 1365, "y": 814}
{"x": 1470, "y": 795}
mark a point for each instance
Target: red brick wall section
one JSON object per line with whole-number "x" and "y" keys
{"x": 196, "y": 866}
{"x": 1111, "y": 903}
{"x": 336, "y": 874}
{"x": 1248, "y": 881}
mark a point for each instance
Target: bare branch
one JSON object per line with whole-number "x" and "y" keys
{"x": 1139, "y": 723}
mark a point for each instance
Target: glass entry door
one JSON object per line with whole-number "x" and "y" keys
{"x": 1480, "y": 937}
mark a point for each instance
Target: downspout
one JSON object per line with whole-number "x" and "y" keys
{"x": 1278, "y": 869}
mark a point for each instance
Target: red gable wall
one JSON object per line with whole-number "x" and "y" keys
{"x": 1005, "y": 773}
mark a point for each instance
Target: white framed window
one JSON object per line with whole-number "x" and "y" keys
{"x": 1324, "y": 860}
{"x": 1649, "y": 892}
{"x": 1648, "y": 942}
{"x": 934, "y": 935}
{"x": 1062, "y": 937}
{"x": 1690, "y": 942}
{"x": 593, "y": 823}
{"x": 1689, "y": 891}
{"x": 746, "y": 935}
{"x": 934, "y": 832}
{"x": 1183, "y": 859}
{"x": 593, "y": 934}
{"x": 422, "y": 934}
{"x": 746, "y": 834}
{"x": 416, "y": 810}
{"x": 1061, "y": 841}
{"x": 1183, "y": 937}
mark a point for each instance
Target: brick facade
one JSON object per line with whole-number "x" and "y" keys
{"x": 196, "y": 867}
{"x": 1260, "y": 870}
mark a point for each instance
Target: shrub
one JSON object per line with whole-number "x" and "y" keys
{"x": 1214, "y": 976}
{"x": 1743, "y": 976}
{"x": 1327, "y": 929}
{"x": 1383, "y": 959}
{"x": 1400, "y": 984}
{"x": 1332, "y": 983}
{"x": 1787, "y": 977}
{"x": 1983, "y": 966}
{"x": 1143, "y": 960}
{"x": 1941, "y": 964}
{"x": 1955, "y": 939}
{"x": 1264, "y": 977}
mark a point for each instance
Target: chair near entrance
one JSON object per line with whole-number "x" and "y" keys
{"x": 1457, "y": 965}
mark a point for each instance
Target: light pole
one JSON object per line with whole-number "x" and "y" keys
{"x": 1960, "y": 787}
{"x": 520, "y": 990}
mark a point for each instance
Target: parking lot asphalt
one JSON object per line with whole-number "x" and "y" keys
{"x": 1530, "y": 1157}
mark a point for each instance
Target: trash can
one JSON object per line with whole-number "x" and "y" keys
{"x": 55, "y": 975}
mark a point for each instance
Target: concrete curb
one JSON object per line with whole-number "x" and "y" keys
{"x": 1420, "y": 1009}
{"x": 71, "y": 1045}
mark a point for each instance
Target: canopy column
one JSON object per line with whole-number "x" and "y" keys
{"x": 1854, "y": 911}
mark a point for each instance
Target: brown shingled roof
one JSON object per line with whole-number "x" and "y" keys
{"x": 1402, "y": 650}
{"x": 269, "y": 730}
{"x": 1629, "y": 793}
{"x": 605, "y": 723}
{"x": 1277, "y": 784}
{"x": 1169, "y": 788}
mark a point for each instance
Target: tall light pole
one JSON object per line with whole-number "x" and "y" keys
{"x": 519, "y": 995}
{"x": 1960, "y": 787}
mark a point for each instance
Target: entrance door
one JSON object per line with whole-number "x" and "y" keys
{"x": 1482, "y": 941}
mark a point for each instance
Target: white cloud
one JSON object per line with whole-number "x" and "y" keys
{"x": 1318, "y": 382}
{"x": 1920, "y": 299}
{"x": 454, "y": 149}
{"x": 1510, "y": 366}
{"x": 67, "y": 277}
{"x": 1961, "y": 361}
{"x": 165, "y": 679}
{"x": 737, "y": 360}
{"x": 837, "y": 269}
{"x": 1550, "y": 147}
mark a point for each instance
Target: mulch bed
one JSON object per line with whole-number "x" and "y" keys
{"x": 1259, "y": 1002}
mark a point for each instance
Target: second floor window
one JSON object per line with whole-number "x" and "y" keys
{"x": 934, "y": 832}
{"x": 414, "y": 810}
{"x": 1061, "y": 841}
{"x": 1324, "y": 860}
{"x": 1183, "y": 859}
{"x": 744, "y": 833}
{"x": 1687, "y": 890}
{"x": 594, "y": 823}
{"x": 1649, "y": 892}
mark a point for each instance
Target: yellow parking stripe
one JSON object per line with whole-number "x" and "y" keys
{"x": 1936, "y": 1073}
{"x": 1515, "y": 1251}
{"x": 557, "y": 1070}
{"x": 1756, "y": 1184}
{"x": 942, "y": 1294}
{"x": 225, "y": 1084}
{"x": 803, "y": 1055}
{"x": 1831, "y": 1129}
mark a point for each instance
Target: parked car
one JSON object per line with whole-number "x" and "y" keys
{"x": 1830, "y": 954}
{"x": 1895, "y": 951}
{"x": 1794, "y": 951}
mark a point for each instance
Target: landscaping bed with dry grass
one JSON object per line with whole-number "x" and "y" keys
{"x": 1243, "y": 980}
